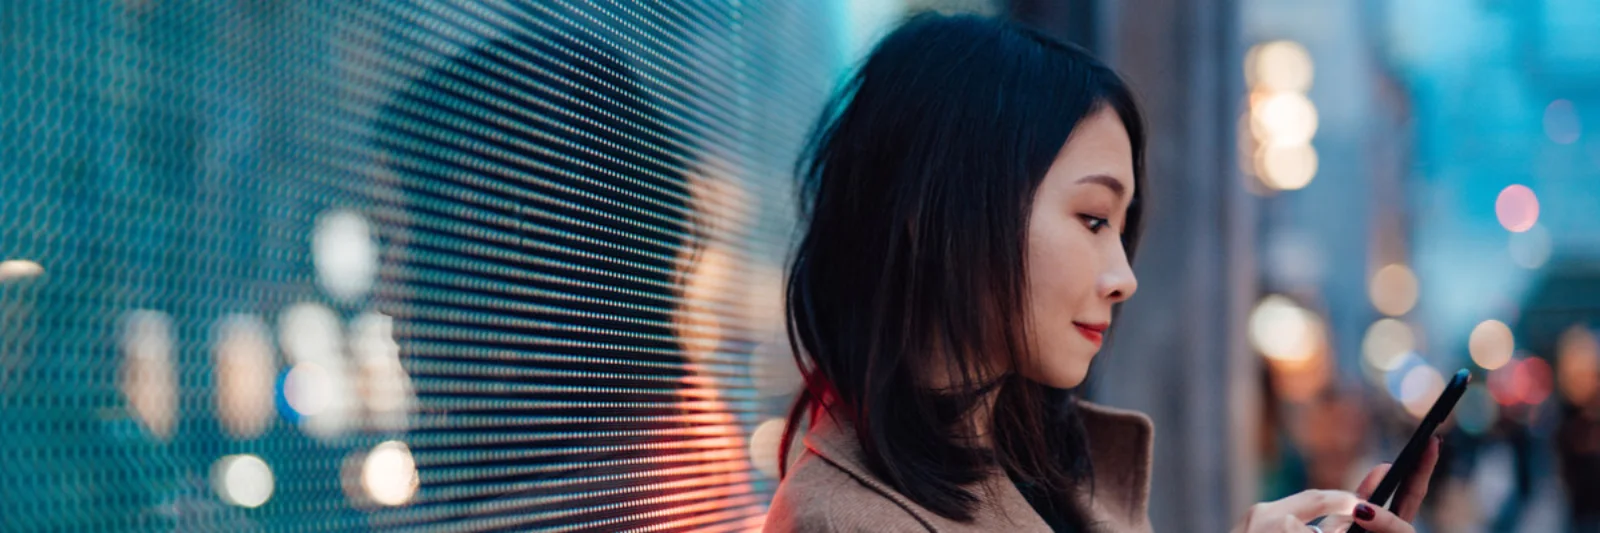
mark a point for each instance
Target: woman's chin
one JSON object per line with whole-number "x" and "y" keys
{"x": 1061, "y": 378}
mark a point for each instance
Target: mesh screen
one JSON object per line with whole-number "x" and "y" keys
{"x": 379, "y": 265}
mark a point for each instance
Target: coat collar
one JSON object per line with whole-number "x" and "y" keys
{"x": 1119, "y": 447}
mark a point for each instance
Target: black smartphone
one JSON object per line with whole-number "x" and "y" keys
{"x": 1394, "y": 482}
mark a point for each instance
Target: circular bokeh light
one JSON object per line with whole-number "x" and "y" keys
{"x": 1517, "y": 208}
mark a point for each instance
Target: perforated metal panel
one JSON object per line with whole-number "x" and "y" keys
{"x": 446, "y": 265}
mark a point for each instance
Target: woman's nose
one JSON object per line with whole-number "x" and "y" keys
{"x": 1118, "y": 282}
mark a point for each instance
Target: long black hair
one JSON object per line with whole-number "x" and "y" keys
{"x": 916, "y": 188}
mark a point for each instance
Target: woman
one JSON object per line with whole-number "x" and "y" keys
{"x": 973, "y": 200}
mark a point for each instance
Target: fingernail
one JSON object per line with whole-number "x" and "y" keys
{"x": 1365, "y": 512}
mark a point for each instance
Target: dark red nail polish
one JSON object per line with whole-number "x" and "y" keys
{"x": 1365, "y": 512}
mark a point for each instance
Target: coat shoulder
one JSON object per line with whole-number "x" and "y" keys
{"x": 817, "y": 496}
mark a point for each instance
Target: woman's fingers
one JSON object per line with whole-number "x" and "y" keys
{"x": 1304, "y": 506}
{"x": 1379, "y": 520}
{"x": 1370, "y": 483}
{"x": 1338, "y": 523}
{"x": 1417, "y": 486}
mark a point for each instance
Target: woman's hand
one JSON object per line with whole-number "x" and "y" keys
{"x": 1375, "y": 518}
{"x": 1342, "y": 508}
{"x": 1289, "y": 515}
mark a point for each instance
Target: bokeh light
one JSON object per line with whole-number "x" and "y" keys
{"x": 1578, "y": 365}
{"x": 764, "y": 444}
{"x": 1531, "y": 380}
{"x": 319, "y": 387}
{"x": 242, "y": 480}
{"x": 1395, "y": 377}
{"x": 1420, "y": 388}
{"x": 389, "y": 474}
{"x": 1525, "y": 381}
{"x": 1393, "y": 290}
{"x": 1293, "y": 340}
{"x": 1283, "y": 119}
{"x": 1386, "y": 343}
{"x": 1517, "y": 208}
{"x": 1561, "y": 122}
{"x": 148, "y": 379}
{"x": 306, "y": 389}
{"x": 16, "y": 269}
{"x": 309, "y": 332}
{"x": 1286, "y": 167}
{"x": 1491, "y": 344}
{"x": 344, "y": 254}
{"x": 1283, "y": 331}
{"x": 1530, "y": 249}
{"x": 1279, "y": 66}
{"x": 245, "y": 371}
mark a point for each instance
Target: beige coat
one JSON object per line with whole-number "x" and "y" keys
{"x": 829, "y": 487}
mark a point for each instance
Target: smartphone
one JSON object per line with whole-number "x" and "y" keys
{"x": 1394, "y": 482}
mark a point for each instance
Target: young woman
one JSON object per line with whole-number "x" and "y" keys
{"x": 972, "y": 202}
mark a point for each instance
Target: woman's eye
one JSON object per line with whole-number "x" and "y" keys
{"x": 1094, "y": 223}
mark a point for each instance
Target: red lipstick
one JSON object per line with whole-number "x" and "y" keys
{"x": 1094, "y": 332}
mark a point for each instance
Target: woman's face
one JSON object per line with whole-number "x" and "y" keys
{"x": 1076, "y": 265}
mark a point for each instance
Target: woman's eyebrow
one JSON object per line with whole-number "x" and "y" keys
{"x": 1108, "y": 181}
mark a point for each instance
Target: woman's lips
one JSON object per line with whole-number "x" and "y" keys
{"x": 1094, "y": 332}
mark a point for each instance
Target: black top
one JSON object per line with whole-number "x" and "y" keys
{"x": 1060, "y": 519}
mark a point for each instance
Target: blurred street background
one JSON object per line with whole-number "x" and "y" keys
{"x": 516, "y": 265}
